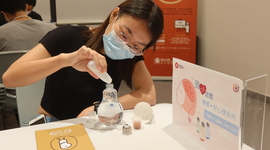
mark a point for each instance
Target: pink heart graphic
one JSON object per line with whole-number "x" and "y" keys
{"x": 202, "y": 88}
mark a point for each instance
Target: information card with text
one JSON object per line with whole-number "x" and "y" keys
{"x": 207, "y": 105}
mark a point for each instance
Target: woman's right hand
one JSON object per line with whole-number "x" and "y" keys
{"x": 80, "y": 58}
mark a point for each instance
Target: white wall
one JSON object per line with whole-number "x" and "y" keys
{"x": 43, "y": 8}
{"x": 77, "y": 11}
{"x": 234, "y": 37}
{"x": 84, "y": 11}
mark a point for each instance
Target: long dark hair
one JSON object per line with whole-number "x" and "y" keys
{"x": 146, "y": 10}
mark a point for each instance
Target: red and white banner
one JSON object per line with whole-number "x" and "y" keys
{"x": 178, "y": 38}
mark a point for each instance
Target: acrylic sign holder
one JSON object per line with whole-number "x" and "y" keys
{"x": 254, "y": 104}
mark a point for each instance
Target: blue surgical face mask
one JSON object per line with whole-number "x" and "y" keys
{"x": 114, "y": 48}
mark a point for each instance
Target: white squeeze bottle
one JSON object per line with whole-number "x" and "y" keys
{"x": 103, "y": 76}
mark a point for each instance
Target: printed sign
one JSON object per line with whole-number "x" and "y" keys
{"x": 178, "y": 38}
{"x": 207, "y": 105}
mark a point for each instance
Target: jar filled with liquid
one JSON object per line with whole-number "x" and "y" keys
{"x": 110, "y": 111}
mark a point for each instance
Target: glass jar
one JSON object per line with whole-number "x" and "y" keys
{"x": 110, "y": 110}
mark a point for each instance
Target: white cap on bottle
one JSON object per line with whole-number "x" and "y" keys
{"x": 103, "y": 76}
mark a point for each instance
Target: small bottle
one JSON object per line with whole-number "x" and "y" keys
{"x": 202, "y": 132}
{"x": 198, "y": 125}
{"x": 208, "y": 133}
{"x": 103, "y": 76}
{"x": 126, "y": 129}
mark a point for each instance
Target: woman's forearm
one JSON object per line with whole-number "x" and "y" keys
{"x": 23, "y": 73}
{"x": 38, "y": 64}
{"x": 130, "y": 100}
{"x": 144, "y": 88}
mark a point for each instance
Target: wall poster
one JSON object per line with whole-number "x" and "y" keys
{"x": 178, "y": 38}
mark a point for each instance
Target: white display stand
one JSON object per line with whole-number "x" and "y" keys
{"x": 207, "y": 105}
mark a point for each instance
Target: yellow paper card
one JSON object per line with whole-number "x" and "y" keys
{"x": 71, "y": 137}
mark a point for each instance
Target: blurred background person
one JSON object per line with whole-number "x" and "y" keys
{"x": 21, "y": 32}
{"x": 34, "y": 15}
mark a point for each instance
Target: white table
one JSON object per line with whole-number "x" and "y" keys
{"x": 159, "y": 135}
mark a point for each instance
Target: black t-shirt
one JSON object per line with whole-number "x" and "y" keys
{"x": 68, "y": 91}
{"x": 35, "y": 15}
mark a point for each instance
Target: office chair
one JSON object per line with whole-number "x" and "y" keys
{"x": 2, "y": 100}
{"x": 28, "y": 101}
{"x": 8, "y": 95}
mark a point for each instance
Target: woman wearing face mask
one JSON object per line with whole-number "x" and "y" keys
{"x": 116, "y": 46}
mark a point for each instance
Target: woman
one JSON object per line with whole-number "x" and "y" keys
{"x": 116, "y": 46}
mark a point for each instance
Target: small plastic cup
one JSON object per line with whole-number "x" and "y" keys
{"x": 137, "y": 122}
{"x": 92, "y": 117}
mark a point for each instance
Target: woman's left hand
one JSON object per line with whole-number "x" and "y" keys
{"x": 86, "y": 111}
